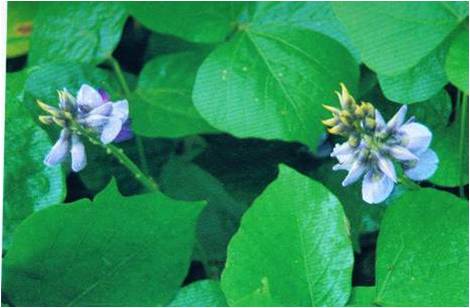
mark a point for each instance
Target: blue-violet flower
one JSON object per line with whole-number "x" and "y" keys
{"x": 375, "y": 147}
{"x": 91, "y": 109}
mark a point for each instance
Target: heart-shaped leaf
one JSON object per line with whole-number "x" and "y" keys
{"x": 292, "y": 248}
{"x": 114, "y": 251}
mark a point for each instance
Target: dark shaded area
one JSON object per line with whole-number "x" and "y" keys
{"x": 131, "y": 49}
{"x": 16, "y": 64}
{"x": 364, "y": 262}
{"x": 196, "y": 272}
{"x": 76, "y": 189}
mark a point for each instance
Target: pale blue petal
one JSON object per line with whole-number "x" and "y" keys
{"x": 111, "y": 130}
{"x": 402, "y": 153}
{"x": 425, "y": 166}
{"x": 94, "y": 121}
{"x": 397, "y": 120}
{"x": 416, "y": 137}
{"x": 60, "y": 149}
{"x": 376, "y": 187}
{"x": 104, "y": 110}
{"x": 120, "y": 110}
{"x": 386, "y": 166}
{"x": 88, "y": 98}
{"x": 357, "y": 170}
{"x": 78, "y": 154}
{"x": 379, "y": 120}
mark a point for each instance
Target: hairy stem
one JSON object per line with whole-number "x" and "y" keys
{"x": 463, "y": 116}
{"x": 125, "y": 88}
{"x": 119, "y": 154}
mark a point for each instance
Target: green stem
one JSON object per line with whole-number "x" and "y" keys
{"x": 408, "y": 183}
{"x": 127, "y": 92}
{"x": 119, "y": 154}
{"x": 463, "y": 115}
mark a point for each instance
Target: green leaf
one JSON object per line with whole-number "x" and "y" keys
{"x": 113, "y": 251}
{"x": 29, "y": 184}
{"x": 221, "y": 217}
{"x": 457, "y": 60}
{"x": 204, "y": 293}
{"x": 422, "y": 251}
{"x": 199, "y": 22}
{"x": 317, "y": 16}
{"x": 19, "y": 27}
{"x": 163, "y": 106}
{"x": 420, "y": 82}
{"x": 362, "y": 297}
{"x": 394, "y": 37}
{"x": 85, "y": 32}
{"x": 362, "y": 217}
{"x": 292, "y": 248}
{"x": 446, "y": 142}
{"x": 270, "y": 81}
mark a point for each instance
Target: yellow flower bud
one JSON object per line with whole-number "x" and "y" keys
{"x": 330, "y": 122}
{"x": 333, "y": 110}
{"x": 46, "y": 119}
{"x": 49, "y": 109}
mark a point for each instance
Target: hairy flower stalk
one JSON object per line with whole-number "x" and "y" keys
{"x": 92, "y": 110}
{"x": 375, "y": 147}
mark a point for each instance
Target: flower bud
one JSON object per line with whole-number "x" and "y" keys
{"x": 49, "y": 109}
{"x": 330, "y": 122}
{"x": 46, "y": 119}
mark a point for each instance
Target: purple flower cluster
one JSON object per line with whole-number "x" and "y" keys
{"x": 375, "y": 147}
{"x": 92, "y": 110}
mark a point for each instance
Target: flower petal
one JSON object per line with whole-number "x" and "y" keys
{"x": 60, "y": 149}
{"x": 416, "y": 137}
{"x": 104, "y": 95}
{"x": 111, "y": 130}
{"x": 424, "y": 168}
{"x": 125, "y": 133}
{"x": 397, "y": 120}
{"x": 95, "y": 121}
{"x": 376, "y": 187}
{"x": 402, "y": 153}
{"x": 104, "y": 110}
{"x": 386, "y": 166}
{"x": 357, "y": 170}
{"x": 120, "y": 110}
{"x": 88, "y": 98}
{"x": 78, "y": 154}
{"x": 379, "y": 120}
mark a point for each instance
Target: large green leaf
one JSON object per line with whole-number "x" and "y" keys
{"x": 19, "y": 27}
{"x": 418, "y": 83}
{"x": 219, "y": 220}
{"x": 422, "y": 253}
{"x": 163, "y": 106}
{"x": 113, "y": 251}
{"x": 457, "y": 60}
{"x": 292, "y": 248}
{"x": 362, "y": 217}
{"x": 85, "y": 32}
{"x": 29, "y": 184}
{"x": 200, "y": 22}
{"x": 204, "y": 293}
{"x": 446, "y": 143}
{"x": 362, "y": 297}
{"x": 270, "y": 81}
{"x": 314, "y": 15}
{"x": 395, "y": 36}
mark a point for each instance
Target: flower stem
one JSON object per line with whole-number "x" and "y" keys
{"x": 408, "y": 183}
{"x": 127, "y": 93}
{"x": 119, "y": 154}
{"x": 463, "y": 116}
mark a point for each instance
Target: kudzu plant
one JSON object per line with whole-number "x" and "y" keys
{"x": 236, "y": 154}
